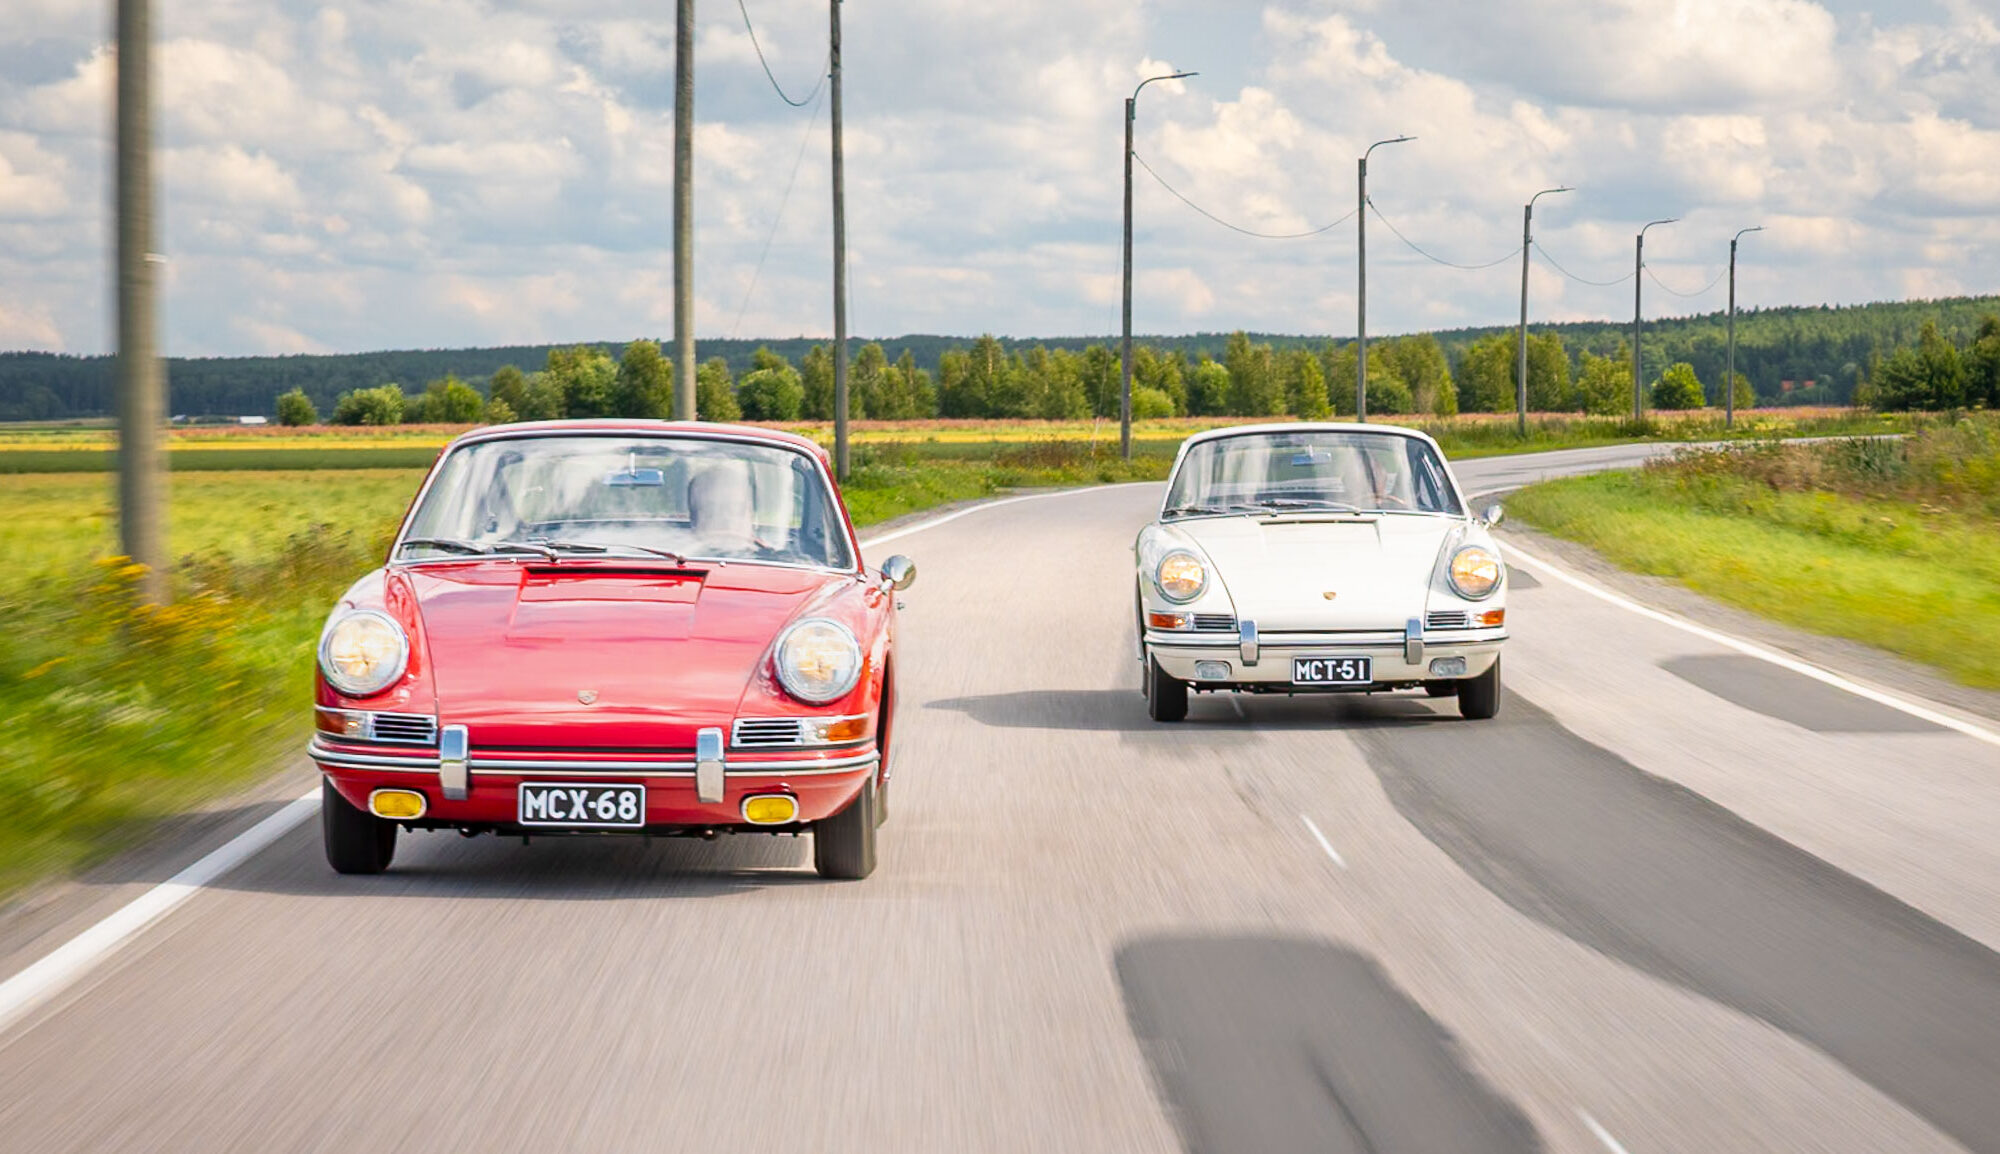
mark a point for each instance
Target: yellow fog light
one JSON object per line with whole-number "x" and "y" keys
{"x": 770, "y": 809}
{"x": 397, "y": 804}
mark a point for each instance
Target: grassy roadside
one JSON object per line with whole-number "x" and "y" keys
{"x": 1894, "y": 545}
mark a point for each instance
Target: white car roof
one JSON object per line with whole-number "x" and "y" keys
{"x": 1308, "y": 427}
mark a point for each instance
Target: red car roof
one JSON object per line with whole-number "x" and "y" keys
{"x": 646, "y": 427}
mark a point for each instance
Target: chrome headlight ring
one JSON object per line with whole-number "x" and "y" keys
{"x": 363, "y": 652}
{"x": 1180, "y": 576}
{"x": 828, "y": 670}
{"x": 1474, "y": 572}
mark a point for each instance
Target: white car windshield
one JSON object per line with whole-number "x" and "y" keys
{"x": 1310, "y": 470}
{"x": 688, "y": 497}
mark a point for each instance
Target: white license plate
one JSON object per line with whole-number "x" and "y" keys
{"x": 588, "y": 806}
{"x": 1331, "y": 671}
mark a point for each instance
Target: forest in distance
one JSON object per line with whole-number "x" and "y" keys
{"x": 1788, "y": 355}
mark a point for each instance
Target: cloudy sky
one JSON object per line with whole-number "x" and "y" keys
{"x": 369, "y": 174}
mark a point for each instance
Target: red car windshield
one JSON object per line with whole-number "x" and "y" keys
{"x": 689, "y": 496}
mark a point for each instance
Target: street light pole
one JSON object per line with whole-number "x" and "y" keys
{"x": 839, "y": 255}
{"x": 1729, "y": 374}
{"x": 1125, "y": 357}
{"x": 1361, "y": 297}
{"x": 142, "y": 474}
{"x": 684, "y": 383}
{"x": 1521, "y": 344}
{"x": 1638, "y": 279}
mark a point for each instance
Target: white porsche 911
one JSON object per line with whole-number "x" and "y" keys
{"x": 1319, "y": 558}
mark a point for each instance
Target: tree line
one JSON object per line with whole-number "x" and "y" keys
{"x": 1786, "y": 356}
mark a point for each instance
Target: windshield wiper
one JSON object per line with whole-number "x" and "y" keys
{"x": 1210, "y": 510}
{"x": 473, "y": 548}
{"x": 1307, "y": 503}
{"x": 555, "y": 546}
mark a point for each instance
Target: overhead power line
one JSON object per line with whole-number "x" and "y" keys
{"x": 1686, "y": 296}
{"x": 1553, "y": 263}
{"x": 756, "y": 270}
{"x": 1413, "y": 247}
{"x": 1233, "y": 227}
{"x": 768, "y": 74}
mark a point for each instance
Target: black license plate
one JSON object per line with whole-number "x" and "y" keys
{"x": 588, "y": 806}
{"x": 1331, "y": 671}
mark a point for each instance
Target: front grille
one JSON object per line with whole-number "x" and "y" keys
{"x": 1215, "y": 622}
{"x": 765, "y": 732}
{"x": 403, "y": 728}
{"x": 1447, "y": 619}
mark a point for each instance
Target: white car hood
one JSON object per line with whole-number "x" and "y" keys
{"x": 1315, "y": 573}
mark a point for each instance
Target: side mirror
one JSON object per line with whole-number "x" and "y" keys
{"x": 1493, "y": 514}
{"x": 899, "y": 571}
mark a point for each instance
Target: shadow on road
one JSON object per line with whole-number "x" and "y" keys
{"x": 446, "y": 865}
{"x": 1661, "y": 879}
{"x": 1284, "y": 1044}
{"x": 1124, "y": 711}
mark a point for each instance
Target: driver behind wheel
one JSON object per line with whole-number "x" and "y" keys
{"x": 719, "y": 508}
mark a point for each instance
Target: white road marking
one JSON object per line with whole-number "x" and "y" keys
{"x": 934, "y": 522}
{"x": 1323, "y": 843}
{"x": 62, "y": 967}
{"x": 1751, "y": 649}
{"x": 55, "y": 972}
{"x": 1601, "y": 1133}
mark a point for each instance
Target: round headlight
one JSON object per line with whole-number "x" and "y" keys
{"x": 818, "y": 661}
{"x": 363, "y": 651}
{"x": 1475, "y": 572}
{"x": 1181, "y": 576}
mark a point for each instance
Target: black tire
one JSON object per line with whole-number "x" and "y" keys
{"x": 1440, "y": 689}
{"x": 1479, "y": 697}
{"x": 844, "y": 844}
{"x": 356, "y": 842}
{"x": 1166, "y": 697}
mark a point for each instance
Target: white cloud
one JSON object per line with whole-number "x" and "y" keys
{"x": 375, "y": 173}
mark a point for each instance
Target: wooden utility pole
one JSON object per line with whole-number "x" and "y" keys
{"x": 839, "y": 260}
{"x": 684, "y": 382}
{"x": 142, "y": 386}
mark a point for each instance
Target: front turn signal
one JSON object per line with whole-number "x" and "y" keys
{"x": 1493, "y": 617}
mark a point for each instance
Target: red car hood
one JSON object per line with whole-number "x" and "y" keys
{"x": 591, "y": 656}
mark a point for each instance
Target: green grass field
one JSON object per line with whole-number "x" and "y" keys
{"x": 1893, "y": 545}
{"x": 37, "y": 449}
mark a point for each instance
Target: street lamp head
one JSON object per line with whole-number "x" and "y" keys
{"x": 1740, "y": 232}
{"x": 1151, "y": 79}
{"x": 1380, "y": 143}
{"x": 1547, "y": 192}
{"x": 1669, "y": 220}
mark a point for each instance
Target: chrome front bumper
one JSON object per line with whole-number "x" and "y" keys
{"x": 1250, "y": 657}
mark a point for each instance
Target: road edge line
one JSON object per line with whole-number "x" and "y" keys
{"x": 1752, "y": 649}
{"x": 54, "y": 972}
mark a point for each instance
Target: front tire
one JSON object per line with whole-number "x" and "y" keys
{"x": 1166, "y": 697}
{"x": 356, "y": 842}
{"x": 1479, "y": 697}
{"x": 844, "y": 844}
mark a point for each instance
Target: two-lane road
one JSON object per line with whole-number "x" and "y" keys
{"x": 1674, "y": 898}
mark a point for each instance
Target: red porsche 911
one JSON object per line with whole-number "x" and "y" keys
{"x": 592, "y": 627}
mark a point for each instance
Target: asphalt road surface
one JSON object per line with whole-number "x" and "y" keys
{"x": 1674, "y": 898}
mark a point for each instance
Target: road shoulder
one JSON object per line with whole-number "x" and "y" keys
{"x": 1859, "y": 662}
